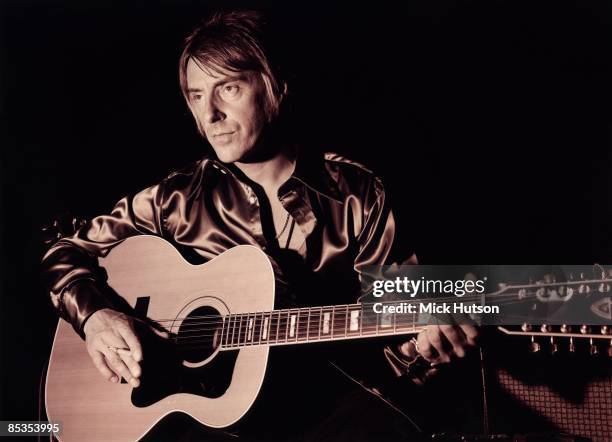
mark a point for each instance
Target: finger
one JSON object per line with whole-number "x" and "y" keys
{"x": 112, "y": 345}
{"x": 454, "y": 335}
{"x": 132, "y": 341}
{"x": 471, "y": 334}
{"x": 431, "y": 373}
{"x": 131, "y": 363}
{"x": 437, "y": 340}
{"x": 408, "y": 349}
{"x": 117, "y": 364}
{"x": 425, "y": 348}
{"x": 105, "y": 371}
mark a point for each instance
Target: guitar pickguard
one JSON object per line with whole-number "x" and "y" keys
{"x": 165, "y": 375}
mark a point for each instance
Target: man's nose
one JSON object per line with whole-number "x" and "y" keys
{"x": 212, "y": 113}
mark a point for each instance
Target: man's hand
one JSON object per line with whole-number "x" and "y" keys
{"x": 441, "y": 344}
{"x": 106, "y": 330}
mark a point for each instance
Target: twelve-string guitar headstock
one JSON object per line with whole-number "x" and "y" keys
{"x": 564, "y": 316}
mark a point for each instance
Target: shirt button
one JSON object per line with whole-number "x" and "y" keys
{"x": 252, "y": 199}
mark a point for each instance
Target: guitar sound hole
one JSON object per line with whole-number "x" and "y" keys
{"x": 199, "y": 334}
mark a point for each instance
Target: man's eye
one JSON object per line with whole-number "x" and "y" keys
{"x": 196, "y": 97}
{"x": 229, "y": 90}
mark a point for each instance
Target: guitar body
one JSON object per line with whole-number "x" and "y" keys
{"x": 146, "y": 270}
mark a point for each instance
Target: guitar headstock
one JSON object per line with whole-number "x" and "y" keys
{"x": 564, "y": 338}
{"x": 556, "y": 305}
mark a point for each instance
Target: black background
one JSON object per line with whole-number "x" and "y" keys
{"x": 490, "y": 122}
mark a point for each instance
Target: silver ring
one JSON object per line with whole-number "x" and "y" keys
{"x": 113, "y": 349}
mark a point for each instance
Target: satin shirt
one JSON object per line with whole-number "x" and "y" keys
{"x": 340, "y": 206}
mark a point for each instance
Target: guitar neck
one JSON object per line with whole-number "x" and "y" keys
{"x": 313, "y": 324}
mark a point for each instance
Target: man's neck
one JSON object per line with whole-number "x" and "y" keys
{"x": 270, "y": 173}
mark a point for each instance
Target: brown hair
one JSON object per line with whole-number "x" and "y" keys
{"x": 233, "y": 41}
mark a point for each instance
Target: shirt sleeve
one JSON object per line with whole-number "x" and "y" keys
{"x": 70, "y": 271}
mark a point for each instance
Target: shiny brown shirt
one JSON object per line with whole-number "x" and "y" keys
{"x": 340, "y": 206}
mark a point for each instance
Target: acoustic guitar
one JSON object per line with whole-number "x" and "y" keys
{"x": 222, "y": 323}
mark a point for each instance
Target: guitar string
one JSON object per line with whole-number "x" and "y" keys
{"x": 501, "y": 298}
{"x": 342, "y": 309}
{"x": 240, "y": 322}
{"x": 303, "y": 330}
{"x": 201, "y": 343}
{"x": 260, "y": 317}
{"x": 240, "y": 331}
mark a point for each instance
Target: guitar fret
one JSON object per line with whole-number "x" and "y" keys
{"x": 286, "y": 326}
{"x": 249, "y": 329}
{"x": 308, "y": 327}
{"x": 354, "y": 321}
{"x": 326, "y": 321}
{"x": 292, "y": 325}
{"x": 222, "y": 330}
{"x": 266, "y": 324}
{"x": 314, "y": 321}
{"x": 258, "y": 326}
{"x": 242, "y": 331}
{"x": 277, "y": 326}
{"x": 346, "y": 321}
{"x": 233, "y": 329}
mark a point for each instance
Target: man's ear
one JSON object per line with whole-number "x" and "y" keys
{"x": 285, "y": 90}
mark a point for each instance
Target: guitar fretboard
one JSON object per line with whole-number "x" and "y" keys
{"x": 313, "y": 324}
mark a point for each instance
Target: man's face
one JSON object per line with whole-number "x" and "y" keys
{"x": 228, "y": 108}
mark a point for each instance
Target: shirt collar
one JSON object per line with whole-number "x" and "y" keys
{"x": 310, "y": 170}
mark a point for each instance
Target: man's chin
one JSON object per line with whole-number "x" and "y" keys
{"x": 226, "y": 155}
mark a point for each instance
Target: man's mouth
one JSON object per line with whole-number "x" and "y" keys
{"x": 222, "y": 138}
{"x": 222, "y": 134}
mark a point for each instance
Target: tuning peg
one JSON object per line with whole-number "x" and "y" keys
{"x": 593, "y": 349}
{"x": 545, "y": 328}
{"x": 583, "y": 288}
{"x": 566, "y": 328}
{"x": 526, "y": 327}
{"x": 585, "y": 329}
{"x": 548, "y": 278}
{"x": 554, "y": 348}
{"x": 572, "y": 347}
{"x": 605, "y": 329}
{"x": 535, "y": 346}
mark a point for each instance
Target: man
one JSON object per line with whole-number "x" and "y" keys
{"x": 320, "y": 220}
